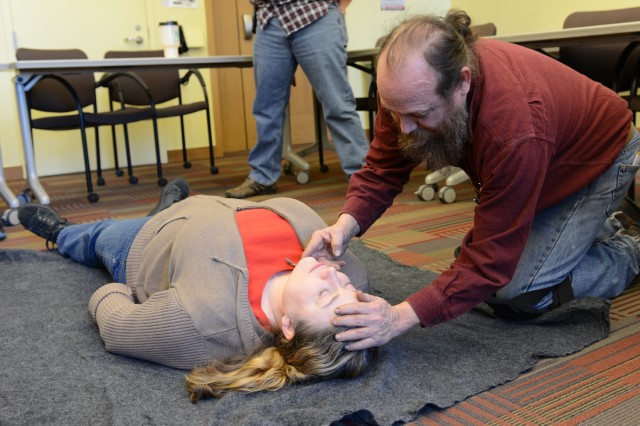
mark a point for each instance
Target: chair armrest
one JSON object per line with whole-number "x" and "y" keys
{"x": 111, "y": 80}
{"x": 69, "y": 88}
{"x": 194, "y": 72}
{"x": 623, "y": 59}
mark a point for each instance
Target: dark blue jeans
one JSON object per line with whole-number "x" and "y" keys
{"x": 320, "y": 49}
{"x": 103, "y": 244}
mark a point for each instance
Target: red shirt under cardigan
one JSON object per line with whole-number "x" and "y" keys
{"x": 268, "y": 240}
{"x": 539, "y": 132}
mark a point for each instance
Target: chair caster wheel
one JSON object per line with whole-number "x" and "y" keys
{"x": 324, "y": 168}
{"x": 186, "y": 164}
{"x": 288, "y": 169}
{"x": 133, "y": 180}
{"x": 427, "y": 192}
{"x": 302, "y": 177}
{"x": 162, "y": 181}
{"x": 93, "y": 197}
{"x": 447, "y": 195}
{"x": 100, "y": 181}
{"x": 214, "y": 170}
{"x": 119, "y": 172}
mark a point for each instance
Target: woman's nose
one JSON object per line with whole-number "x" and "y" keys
{"x": 331, "y": 274}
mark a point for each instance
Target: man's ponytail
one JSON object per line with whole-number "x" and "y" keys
{"x": 445, "y": 43}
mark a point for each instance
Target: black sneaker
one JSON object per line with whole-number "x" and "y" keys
{"x": 42, "y": 221}
{"x": 250, "y": 188}
{"x": 174, "y": 191}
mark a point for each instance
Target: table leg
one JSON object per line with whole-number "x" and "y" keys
{"x": 6, "y": 193}
{"x": 33, "y": 182}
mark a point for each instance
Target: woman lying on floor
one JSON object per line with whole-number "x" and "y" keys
{"x": 212, "y": 285}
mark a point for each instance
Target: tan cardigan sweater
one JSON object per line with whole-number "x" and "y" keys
{"x": 186, "y": 297}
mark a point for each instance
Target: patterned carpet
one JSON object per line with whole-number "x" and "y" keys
{"x": 597, "y": 386}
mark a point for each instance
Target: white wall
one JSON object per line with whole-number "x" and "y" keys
{"x": 366, "y": 22}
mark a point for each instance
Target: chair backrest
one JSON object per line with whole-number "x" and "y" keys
{"x": 484, "y": 30}
{"x": 51, "y": 96}
{"x": 598, "y": 61}
{"x": 164, "y": 85}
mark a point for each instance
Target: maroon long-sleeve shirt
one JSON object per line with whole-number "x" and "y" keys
{"x": 538, "y": 132}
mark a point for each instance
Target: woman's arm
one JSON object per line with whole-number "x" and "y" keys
{"x": 158, "y": 330}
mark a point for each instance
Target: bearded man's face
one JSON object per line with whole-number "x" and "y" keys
{"x": 439, "y": 147}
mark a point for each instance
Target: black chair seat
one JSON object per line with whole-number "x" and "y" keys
{"x": 120, "y": 116}
{"x": 178, "y": 110}
{"x": 61, "y": 122}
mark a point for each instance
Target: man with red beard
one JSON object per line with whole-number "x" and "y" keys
{"x": 550, "y": 153}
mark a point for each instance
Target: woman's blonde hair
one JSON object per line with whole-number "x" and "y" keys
{"x": 309, "y": 355}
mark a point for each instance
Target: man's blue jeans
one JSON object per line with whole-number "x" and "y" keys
{"x": 103, "y": 244}
{"x": 580, "y": 238}
{"x": 320, "y": 49}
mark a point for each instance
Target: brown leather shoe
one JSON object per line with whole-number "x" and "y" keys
{"x": 250, "y": 188}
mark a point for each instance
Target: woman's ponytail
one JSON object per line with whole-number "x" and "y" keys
{"x": 309, "y": 355}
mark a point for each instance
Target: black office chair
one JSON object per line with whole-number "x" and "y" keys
{"x": 67, "y": 95}
{"x": 164, "y": 86}
{"x": 485, "y": 30}
{"x": 368, "y": 103}
{"x": 612, "y": 64}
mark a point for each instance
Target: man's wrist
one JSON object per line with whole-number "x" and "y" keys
{"x": 406, "y": 317}
{"x": 350, "y": 225}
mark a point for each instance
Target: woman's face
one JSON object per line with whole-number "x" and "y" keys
{"x": 313, "y": 291}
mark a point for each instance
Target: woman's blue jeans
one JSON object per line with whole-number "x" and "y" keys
{"x": 320, "y": 49}
{"x": 580, "y": 238}
{"x": 103, "y": 244}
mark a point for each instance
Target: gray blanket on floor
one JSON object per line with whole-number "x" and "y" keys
{"x": 55, "y": 369}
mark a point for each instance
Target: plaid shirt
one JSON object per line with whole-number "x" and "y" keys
{"x": 292, "y": 14}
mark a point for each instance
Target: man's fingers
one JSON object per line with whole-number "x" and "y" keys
{"x": 352, "y": 309}
{"x": 337, "y": 264}
{"x": 356, "y": 339}
{"x": 354, "y": 333}
{"x": 365, "y": 297}
{"x": 364, "y": 305}
{"x": 323, "y": 243}
{"x": 351, "y": 320}
{"x": 361, "y": 344}
{"x": 316, "y": 243}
